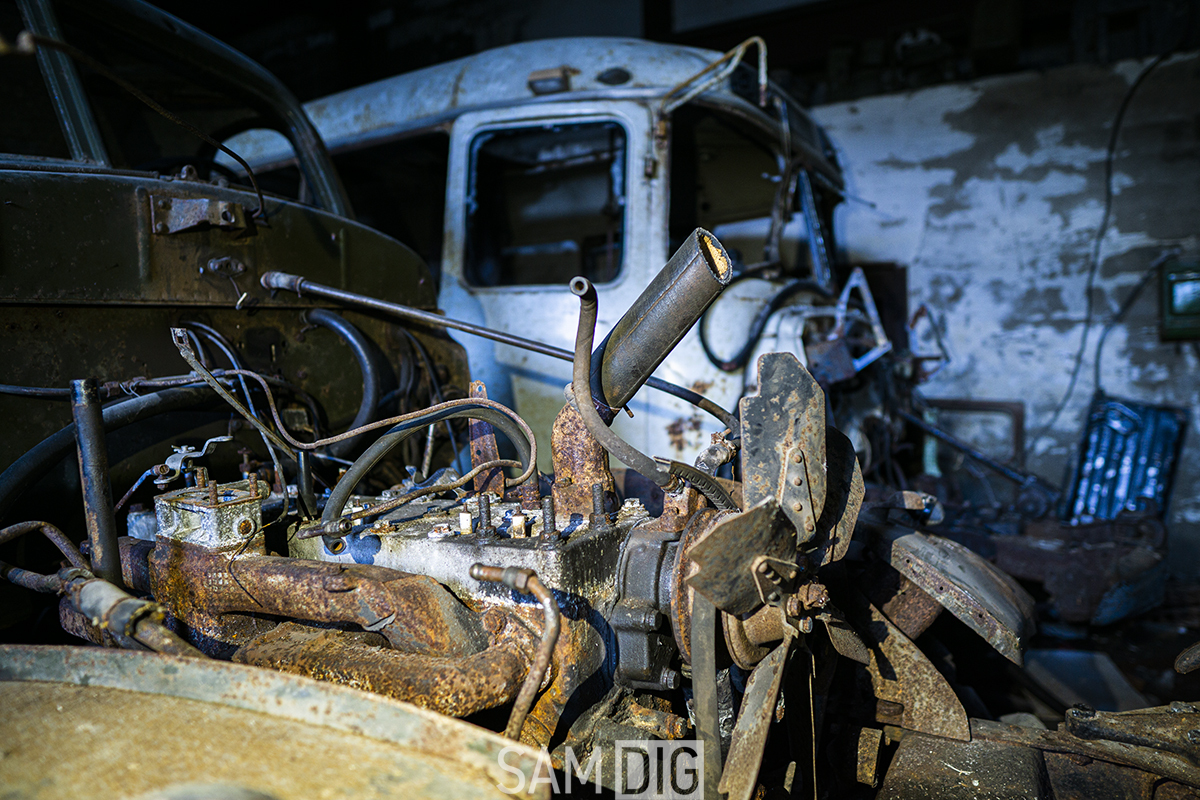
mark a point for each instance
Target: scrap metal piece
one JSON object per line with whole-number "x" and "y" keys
{"x": 750, "y": 733}
{"x": 870, "y": 746}
{"x": 727, "y": 555}
{"x": 484, "y": 449}
{"x": 988, "y": 601}
{"x": 1154, "y": 760}
{"x": 902, "y": 675}
{"x": 784, "y": 420}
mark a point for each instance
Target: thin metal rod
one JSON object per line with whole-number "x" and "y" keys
{"x": 1016, "y": 476}
{"x": 526, "y": 582}
{"x": 299, "y": 285}
{"x": 93, "y": 475}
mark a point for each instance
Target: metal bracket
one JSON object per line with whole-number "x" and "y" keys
{"x": 176, "y": 214}
{"x": 180, "y": 460}
{"x": 774, "y": 578}
{"x": 795, "y": 494}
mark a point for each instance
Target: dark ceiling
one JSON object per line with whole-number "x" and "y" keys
{"x": 822, "y": 51}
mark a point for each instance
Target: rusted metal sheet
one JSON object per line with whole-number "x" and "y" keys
{"x": 484, "y": 449}
{"x": 1098, "y": 572}
{"x": 988, "y": 601}
{"x": 904, "y": 679}
{"x": 870, "y": 746}
{"x": 1081, "y": 778}
{"x": 98, "y": 723}
{"x": 579, "y": 462}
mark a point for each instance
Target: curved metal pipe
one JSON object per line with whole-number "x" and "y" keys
{"x": 581, "y": 393}
{"x": 455, "y": 686}
{"x": 361, "y": 347}
{"x": 527, "y": 582}
{"x": 56, "y": 537}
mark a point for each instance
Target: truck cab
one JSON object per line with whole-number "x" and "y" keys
{"x": 516, "y": 169}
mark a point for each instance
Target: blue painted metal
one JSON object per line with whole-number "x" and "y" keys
{"x": 1127, "y": 459}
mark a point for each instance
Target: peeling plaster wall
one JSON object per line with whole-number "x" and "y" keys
{"x": 991, "y": 193}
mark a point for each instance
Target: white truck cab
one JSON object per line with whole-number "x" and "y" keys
{"x": 514, "y": 170}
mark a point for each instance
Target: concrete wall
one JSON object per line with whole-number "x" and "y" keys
{"x": 991, "y": 193}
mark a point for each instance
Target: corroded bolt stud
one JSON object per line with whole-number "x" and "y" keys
{"x": 245, "y": 527}
{"x": 599, "y": 517}
{"x": 213, "y": 495}
{"x": 253, "y": 487}
{"x": 485, "y": 515}
{"x": 549, "y": 524}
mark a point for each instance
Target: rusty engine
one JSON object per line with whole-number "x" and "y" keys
{"x": 754, "y": 601}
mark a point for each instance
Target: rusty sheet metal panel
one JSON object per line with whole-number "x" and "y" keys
{"x": 1127, "y": 459}
{"x": 92, "y": 723}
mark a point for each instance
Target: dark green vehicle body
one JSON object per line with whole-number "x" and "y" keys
{"x": 111, "y": 233}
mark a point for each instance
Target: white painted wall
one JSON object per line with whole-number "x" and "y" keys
{"x": 991, "y": 193}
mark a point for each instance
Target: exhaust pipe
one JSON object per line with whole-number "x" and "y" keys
{"x": 668, "y": 308}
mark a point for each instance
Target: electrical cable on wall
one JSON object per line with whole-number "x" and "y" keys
{"x": 1094, "y": 266}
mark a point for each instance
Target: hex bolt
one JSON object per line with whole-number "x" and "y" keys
{"x": 669, "y": 679}
{"x": 485, "y": 515}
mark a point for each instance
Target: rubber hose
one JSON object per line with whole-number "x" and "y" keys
{"x": 368, "y": 409}
{"x": 33, "y": 466}
{"x": 757, "y": 326}
{"x": 341, "y": 492}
